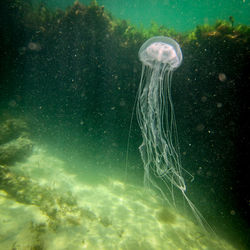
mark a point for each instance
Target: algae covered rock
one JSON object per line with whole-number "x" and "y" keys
{"x": 14, "y": 142}
{"x": 15, "y": 150}
{"x": 11, "y": 129}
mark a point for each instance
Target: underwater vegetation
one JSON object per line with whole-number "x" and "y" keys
{"x": 15, "y": 144}
{"x": 15, "y": 147}
{"x": 59, "y": 208}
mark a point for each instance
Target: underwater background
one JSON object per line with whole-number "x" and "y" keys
{"x": 69, "y": 78}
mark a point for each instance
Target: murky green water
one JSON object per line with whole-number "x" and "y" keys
{"x": 176, "y": 14}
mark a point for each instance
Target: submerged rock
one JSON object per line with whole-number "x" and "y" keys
{"x": 15, "y": 150}
{"x": 11, "y": 129}
{"x": 14, "y": 142}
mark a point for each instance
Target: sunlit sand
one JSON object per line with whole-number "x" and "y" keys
{"x": 63, "y": 213}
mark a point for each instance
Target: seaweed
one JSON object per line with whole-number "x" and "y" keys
{"x": 15, "y": 144}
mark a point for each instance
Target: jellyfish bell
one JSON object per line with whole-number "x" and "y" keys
{"x": 159, "y": 50}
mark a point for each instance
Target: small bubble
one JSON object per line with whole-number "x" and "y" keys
{"x": 219, "y": 105}
{"x": 203, "y": 98}
{"x": 222, "y": 77}
{"x": 34, "y": 46}
{"x": 232, "y": 212}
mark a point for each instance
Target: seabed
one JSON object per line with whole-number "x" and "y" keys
{"x": 53, "y": 210}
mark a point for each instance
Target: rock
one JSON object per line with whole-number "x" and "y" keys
{"x": 15, "y": 150}
{"x": 14, "y": 142}
{"x": 12, "y": 129}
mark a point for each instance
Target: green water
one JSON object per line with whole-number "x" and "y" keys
{"x": 181, "y": 15}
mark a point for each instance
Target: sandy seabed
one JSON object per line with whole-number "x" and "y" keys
{"x": 54, "y": 210}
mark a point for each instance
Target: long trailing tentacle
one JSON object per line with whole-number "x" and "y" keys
{"x": 160, "y": 149}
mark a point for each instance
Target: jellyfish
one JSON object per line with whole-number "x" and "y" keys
{"x": 160, "y": 56}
